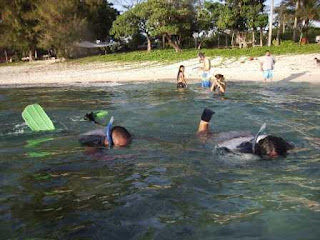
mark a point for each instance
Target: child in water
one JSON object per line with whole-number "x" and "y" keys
{"x": 219, "y": 84}
{"x": 181, "y": 81}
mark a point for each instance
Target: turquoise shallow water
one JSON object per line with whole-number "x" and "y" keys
{"x": 167, "y": 184}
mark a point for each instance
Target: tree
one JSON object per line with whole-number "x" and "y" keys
{"x": 131, "y": 22}
{"x": 209, "y": 18}
{"x": 71, "y": 21}
{"x": 262, "y": 22}
{"x": 154, "y": 18}
{"x": 20, "y": 26}
{"x": 251, "y": 11}
{"x": 310, "y": 10}
{"x": 61, "y": 25}
{"x": 100, "y": 16}
{"x": 171, "y": 19}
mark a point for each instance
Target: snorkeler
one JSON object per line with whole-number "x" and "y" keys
{"x": 181, "y": 81}
{"x": 111, "y": 136}
{"x": 219, "y": 85}
{"x": 262, "y": 145}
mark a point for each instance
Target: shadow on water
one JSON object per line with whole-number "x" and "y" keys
{"x": 167, "y": 184}
{"x": 292, "y": 77}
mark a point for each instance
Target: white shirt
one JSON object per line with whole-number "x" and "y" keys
{"x": 267, "y": 62}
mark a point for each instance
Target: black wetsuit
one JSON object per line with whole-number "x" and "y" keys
{"x": 94, "y": 138}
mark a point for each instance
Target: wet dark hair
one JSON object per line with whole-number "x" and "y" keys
{"x": 200, "y": 54}
{"x": 273, "y": 144}
{"x": 123, "y": 132}
{"x": 219, "y": 76}
{"x": 179, "y": 71}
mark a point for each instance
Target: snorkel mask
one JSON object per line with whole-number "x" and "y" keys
{"x": 108, "y": 132}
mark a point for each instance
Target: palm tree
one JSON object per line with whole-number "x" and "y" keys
{"x": 309, "y": 10}
{"x": 271, "y": 23}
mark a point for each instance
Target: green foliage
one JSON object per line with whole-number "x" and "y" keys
{"x": 61, "y": 25}
{"x": 167, "y": 56}
{"x": 155, "y": 18}
{"x": 30, "y": 24}
{"x": 19, "y": 30}
{"x": 126, "y": 25}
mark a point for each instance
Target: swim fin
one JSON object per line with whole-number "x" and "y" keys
{"x": 36, "y": 118}
{"x": 98, "y": 117}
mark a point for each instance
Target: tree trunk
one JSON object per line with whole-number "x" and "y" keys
{"x": 294, "y": 35}
{"x": 261, "y": 37}
{"x": 149, "y": 44}
{"x": 279, "y": 25}
{"x": 172, "y": 44}
{"x": 163, "y": 41}
{"x": 253, "y": 38}
{"x": 227, "y": 40}
{"x": 30, "y": 55}
{"x": 199, "y": 45}
{"x": 232, "y": 39}
{"x": 271, "y": 24}
{"x": 6, "y": 55}
{"x": 218, "y": 40}
{"x": 35, "y": 54}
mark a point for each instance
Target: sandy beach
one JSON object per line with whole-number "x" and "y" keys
{"x": 294, "y": 68}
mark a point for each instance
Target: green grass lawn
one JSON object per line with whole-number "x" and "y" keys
{"x": 169, "y": 55}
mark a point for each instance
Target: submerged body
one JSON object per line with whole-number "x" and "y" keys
{"x": 244, "y": 142}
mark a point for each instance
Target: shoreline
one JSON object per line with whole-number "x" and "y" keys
{"x": 288, "y": 68}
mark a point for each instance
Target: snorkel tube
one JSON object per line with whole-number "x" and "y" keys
{"x": 262, "y": 128}
{"x": 108, "y": 131}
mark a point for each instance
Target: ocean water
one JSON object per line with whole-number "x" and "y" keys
{"x": 168, "y": 184}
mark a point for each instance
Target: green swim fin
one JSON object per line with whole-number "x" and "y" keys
{"x": 37, "y": 119}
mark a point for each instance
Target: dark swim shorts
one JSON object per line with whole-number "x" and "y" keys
{"x": 181, "y": 85}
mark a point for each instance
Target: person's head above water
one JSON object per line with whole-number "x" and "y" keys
{"x": 120, "y": 136}
{"x": 272, "y": 146}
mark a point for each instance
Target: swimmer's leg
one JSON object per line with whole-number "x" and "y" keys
{"x": 205, "y": 119}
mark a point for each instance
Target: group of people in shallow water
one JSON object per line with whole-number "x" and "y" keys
{"x": 237, "y": 142}
{"x": 218, "y": 85}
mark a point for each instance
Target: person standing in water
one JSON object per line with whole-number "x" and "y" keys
{"x": 219, "y": 84}
{"x": 205, "y": 68}
{"x": 266, "y": 65}
{"x": 181, "y": 81}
